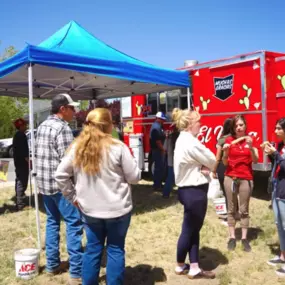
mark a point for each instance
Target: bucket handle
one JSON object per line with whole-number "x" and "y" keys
{"x": 15, "y": 248}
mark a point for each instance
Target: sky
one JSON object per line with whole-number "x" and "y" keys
{"x": 160, "y": 32}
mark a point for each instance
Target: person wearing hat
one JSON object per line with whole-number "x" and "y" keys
{"x": 157, "y": 138}
{"x": 54, "y": 136}
{"x": 21, "y": 162}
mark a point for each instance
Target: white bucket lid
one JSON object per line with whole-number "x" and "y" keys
{"x": 26, "y": 253}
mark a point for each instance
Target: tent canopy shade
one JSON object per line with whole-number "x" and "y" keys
{"x": 74, "y": 61}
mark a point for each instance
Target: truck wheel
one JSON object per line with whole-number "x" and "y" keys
{"x": 10, "y": 152}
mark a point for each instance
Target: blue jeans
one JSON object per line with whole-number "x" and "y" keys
{"x": 170, "y": 181}
{"x": 97, "y": 231}
{"x": 278, "y": 206}
{"x": 158, "y": 160}
{"x": 56, "y": 206}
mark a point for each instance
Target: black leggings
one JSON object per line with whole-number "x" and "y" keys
{"x": 195, "y": 201}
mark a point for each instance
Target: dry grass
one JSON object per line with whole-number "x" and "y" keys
{"x": 151, "y": 244}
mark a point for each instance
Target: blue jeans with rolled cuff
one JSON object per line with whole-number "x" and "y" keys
{"x": 56, "y": 207}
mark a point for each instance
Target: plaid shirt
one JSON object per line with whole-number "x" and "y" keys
{"x": 53, "y": 138}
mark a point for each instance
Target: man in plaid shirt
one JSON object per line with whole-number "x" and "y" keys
{"x": 53, "y": 138}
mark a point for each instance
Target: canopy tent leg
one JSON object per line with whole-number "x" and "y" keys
{"x": 33, "y": 169}
{"x": 189, "y": 99}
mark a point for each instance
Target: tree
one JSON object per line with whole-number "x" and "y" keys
{"x": 10, "y": 108}
{"x": 114, "y": 107}
{"x": 8, "y": 52}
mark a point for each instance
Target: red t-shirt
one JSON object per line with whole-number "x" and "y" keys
{"x": 240, "y": 159}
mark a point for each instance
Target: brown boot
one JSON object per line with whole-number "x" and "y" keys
{"x": 63, "y": 267}
{"x": 203, "y": 274}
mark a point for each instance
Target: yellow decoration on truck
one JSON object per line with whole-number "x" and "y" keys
{"x": 205, "y": 103}
{"x": 245, "y": 101}
{"x": 282, "y": 80}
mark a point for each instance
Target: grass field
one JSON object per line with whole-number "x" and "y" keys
{"x": 151, "y": 243}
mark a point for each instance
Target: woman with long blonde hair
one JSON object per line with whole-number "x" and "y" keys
{"x": 192, "y": 165}
{"x": 102, "y": 169}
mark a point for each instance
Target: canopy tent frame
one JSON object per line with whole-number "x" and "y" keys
{"x": 81, "y": 86}
{"x": 33, "y": 167}
{"x": 87, "y": 71}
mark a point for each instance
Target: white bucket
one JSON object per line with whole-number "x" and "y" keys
{"x": 220, "y": 206}
{"x": 27, "y": 263}
{"x": 214, "y": 189}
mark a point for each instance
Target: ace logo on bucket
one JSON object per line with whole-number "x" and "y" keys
{"x": 28, "y": 268}
{"x": 223, "y": 87}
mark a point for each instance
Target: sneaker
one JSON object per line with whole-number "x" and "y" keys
{"x": 182, "y": 270}
{"x": 276, "y": 261}
{"x": 203, "y": 274}
{"x": 246, "y": 245}
{"x": 280, "y": 272}
{"x": 232, "y": 244}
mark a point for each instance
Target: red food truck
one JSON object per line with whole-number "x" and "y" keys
{"x": 249, "y": 84}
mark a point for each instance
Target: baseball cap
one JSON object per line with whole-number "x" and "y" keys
{"x": 160, "y": 115}
{"x": 20, "y": 122}
{"x": 63, "y": 99}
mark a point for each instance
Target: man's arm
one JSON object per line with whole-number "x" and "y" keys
{"x": 26, "y": 149}
{"x": 218, "y": 158}
{"x": 160, "y": 146}
{"x": 63, "y": 176}
{"x": 156, "y": 137}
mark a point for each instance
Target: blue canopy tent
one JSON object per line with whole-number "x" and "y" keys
{"x": 74, "y": 61}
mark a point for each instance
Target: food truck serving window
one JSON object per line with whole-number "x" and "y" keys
{"x": 152, "y": 100}
{"x": 183, "y": 99}
{"x": 157, "y": 102}
{"x": 172, "y": 100}
{"x": 167, "y": 101}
